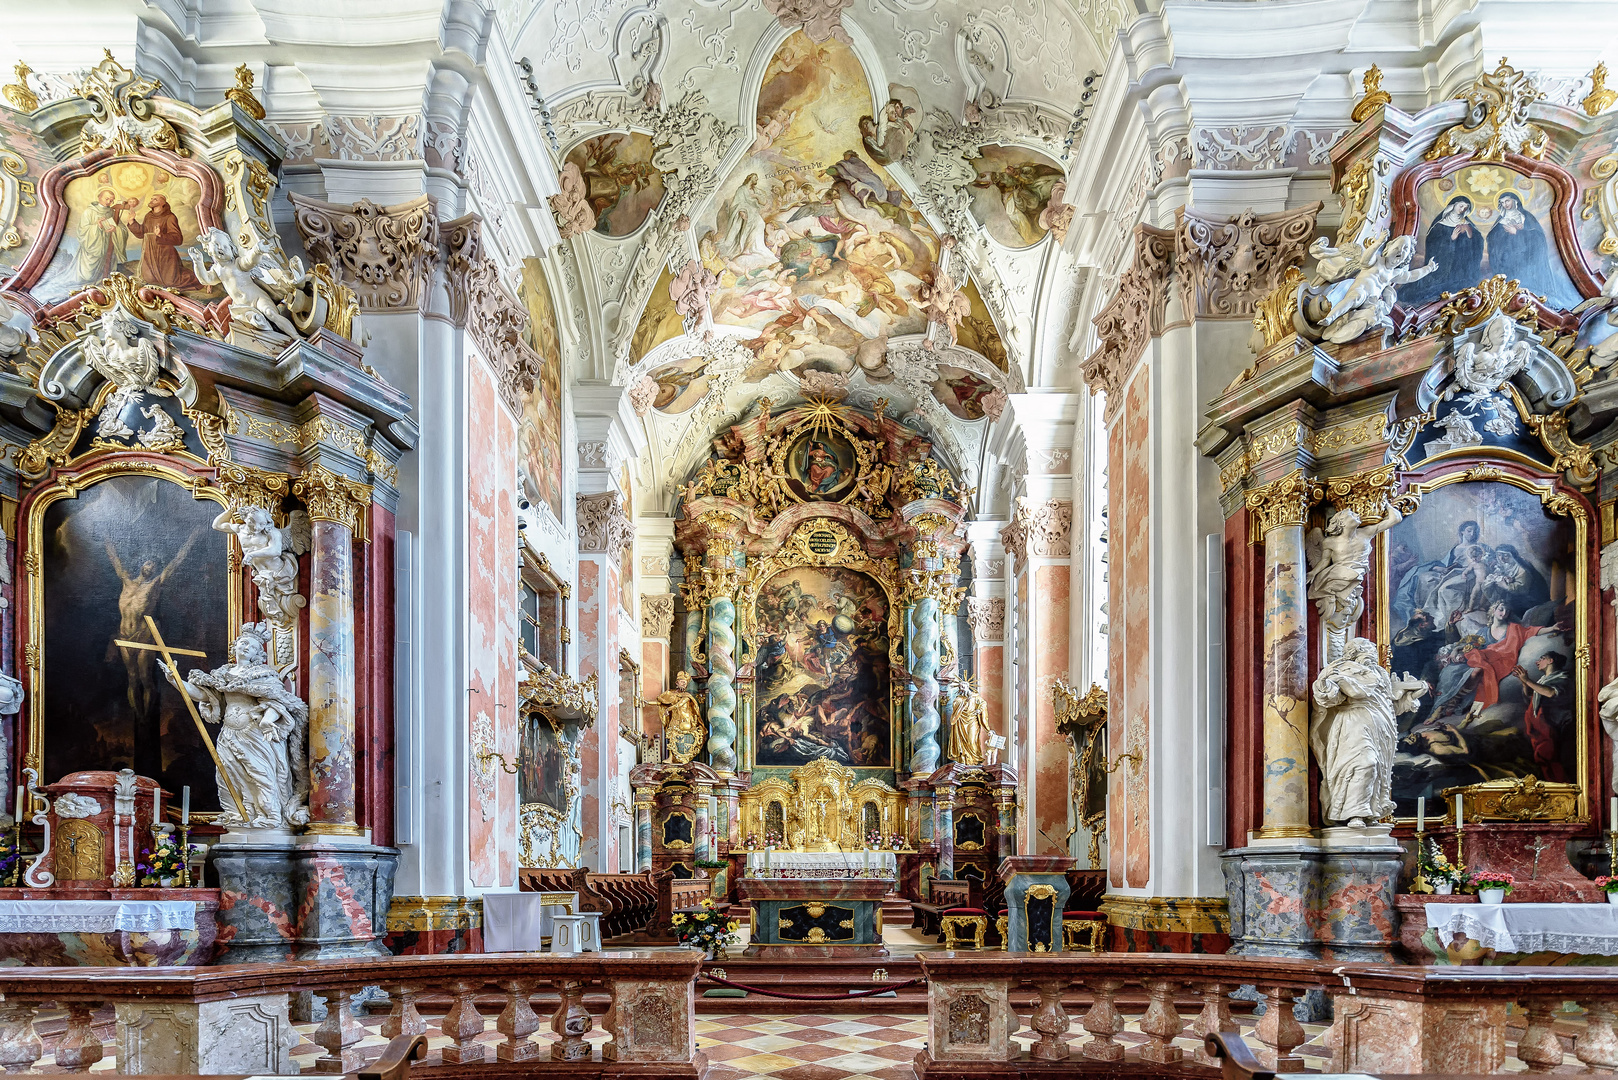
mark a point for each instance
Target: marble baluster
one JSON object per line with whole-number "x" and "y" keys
{"x": 1540, "y": 1048}
{"x": 1282, "y": 508}
{"x": 1215, "y": 1016}
{"x": 1050, "y": 1021}
{"x": 516, "y": 1022}
{"x": 1162, "y": 1023}
{"x": 1597, "y": 1045}
{"x": 403, "y": 1019}
{"x": 700, "y": 845}
{"x": 571, "y": 1022}
{"x": 339, "y": 1035}
{"x": 463, "y": 1024}
{"x": 20, "y": 1044}
{"x": 331, "y": 680}
{"x": 944, "y": 834}
{"x": 1103, "y": 1022}
{"x": 80, "y": 1047}
{"x": 643, "y": 829}
{"x": 924, "y": 658}
{"x": 1278, "y": 1031}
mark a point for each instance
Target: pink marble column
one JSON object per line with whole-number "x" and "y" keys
{"x": 331, "y": 680}
{"x": 1049, "y": 748}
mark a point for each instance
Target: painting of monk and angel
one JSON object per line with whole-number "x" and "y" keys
{"x": 822, "y": 670}
{"x": 1482, "y": 601}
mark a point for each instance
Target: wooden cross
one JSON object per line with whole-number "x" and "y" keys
{"x": 191, "y": 706}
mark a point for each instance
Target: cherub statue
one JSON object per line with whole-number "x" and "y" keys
{"x": 1501, "y": 351}
{"x": 1367, "y": 302}
{"x": 121, "y": 355}
{"x": 1339, "y": 559}
{"x": 11, "y": 695}
{"x": 690, "y": 290}
{"x": 12, "y": 339}
{"x": 1602, "y": 353}
{"x": 262, "y": 741}
{"x": 941, "y": 300}
{"x": 271, "y": 552}
{"x": 1354, "y": 733}
{"x": 571, "y": 205}
{"x": 233, "y": 269}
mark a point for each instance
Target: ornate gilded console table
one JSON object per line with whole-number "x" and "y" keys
{"x": 802, "y": 918}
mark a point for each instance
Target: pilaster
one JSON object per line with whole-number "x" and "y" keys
{"x": 605, "y": 533}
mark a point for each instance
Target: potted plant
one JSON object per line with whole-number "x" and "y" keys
{"x": 162, "y": 867}
{"x": 706, "y": 930}
{"x": 1609, "y": 885}
{"x": 1492, "y": 886}
{"x": 1445, "y": 876}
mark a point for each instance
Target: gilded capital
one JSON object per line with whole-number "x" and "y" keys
{"x": 245, "y": 486}
{"x": 336, "y": 498}
{"x": 1284, "y": 502}
{"x": 1369, "y": 494}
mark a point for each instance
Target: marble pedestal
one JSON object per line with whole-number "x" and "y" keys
{"x": 1310, "y": 900}
{"x": 302, "y": 901}
{"x": 1508, "y": 847}
{"x": 1036, "y": 892}
{"x": 243, "y": 1035}
{"x": 813, "y": 918}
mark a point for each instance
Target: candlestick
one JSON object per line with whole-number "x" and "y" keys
{"x": 157, "y": 804}
{"x": 185, "y": 805}
{"x": 1460, "y": 811}
{"x": 1420, "y": 884}
{"x": 1421, "y": 814}
{"x": 185, "y": 851}
{"x": 19, "y": 804}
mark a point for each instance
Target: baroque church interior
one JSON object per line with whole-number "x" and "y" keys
{"x": 816, "y": 539}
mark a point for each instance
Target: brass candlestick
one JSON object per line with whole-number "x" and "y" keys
{"x": 1420, "y": 884}
{"x": 185, "y": 855}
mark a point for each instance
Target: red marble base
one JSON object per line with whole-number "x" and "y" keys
{"x": 1505, "y": 847}
{"x": 813, "y": 952}
{"x": 1127, "y": 939}
{"x": 434, "y": 942}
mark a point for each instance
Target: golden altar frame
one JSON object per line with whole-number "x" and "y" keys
{"x": 823, "y": 808}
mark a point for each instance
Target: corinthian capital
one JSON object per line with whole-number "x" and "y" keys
{"x": 602, "y": 525}
{"x": 1228, "y": 265}
{"x": 333, "y": 497}
{"x": 384, "y": 253}
{"x": 1284, "y": 502}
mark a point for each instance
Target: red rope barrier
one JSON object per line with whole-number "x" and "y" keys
{"x": 882, "y": 989}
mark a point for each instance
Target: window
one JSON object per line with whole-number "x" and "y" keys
{"x": 530, "y": 620}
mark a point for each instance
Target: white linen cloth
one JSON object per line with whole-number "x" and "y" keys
{"x": 1587, "y": 929}
{"x": 512, "y": 921}
{"x": 823, "y": 864}
{"x": 95, "y": 916}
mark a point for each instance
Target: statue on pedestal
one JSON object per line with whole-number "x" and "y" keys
{"x": 271, "y": 553}
{"x": 683, "y": 729}
{"x": 968, "y": 725}
{"x": 1339, "y": 560}
{"x": 262, "y": 743}
{"x": 1354, "y": 734}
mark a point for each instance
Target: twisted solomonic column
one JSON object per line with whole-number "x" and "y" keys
{"x": 924, "y": 662}
{"x": 720, "y": 573}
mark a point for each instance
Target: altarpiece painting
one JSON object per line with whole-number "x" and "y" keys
{"x": 128, "y": 545}
{"x": 1484, "y": 599}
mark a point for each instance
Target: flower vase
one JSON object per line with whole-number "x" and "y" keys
{"x": 1443, "y": 888}
{"x": 168, "y": 883}
{"x": 1612, "y": 898}
{"x": 1491, "y": 896}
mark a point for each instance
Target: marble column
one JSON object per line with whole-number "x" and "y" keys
{"x": 338, "y": 510}
{"x": 1281, "y": 509}
{"x": 700, "y": 844}
{"x": 719, "y": 572}
{"x": 944, "y": 831}
{"x": 643, "y": 829}
{"x": 924, "y": 617}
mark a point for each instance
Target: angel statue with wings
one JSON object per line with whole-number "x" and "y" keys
{"x": 271, "y": 552}
{"x": 263, "y": 736}
{"x": 1341, "y": 314}
{"x": 1339, "y": 558}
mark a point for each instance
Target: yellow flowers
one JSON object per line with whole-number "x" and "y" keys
{"x": 708, "y": 902}
{"x": 732, "y": 927}
{"x": 678, "y": 920}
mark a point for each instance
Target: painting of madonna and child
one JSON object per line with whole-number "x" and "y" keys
{"x": 822, "y": 670}
{"x": 1482, "y": 593}
{"x": 1484, "y": 220}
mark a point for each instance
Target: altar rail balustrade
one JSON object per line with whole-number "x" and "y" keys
{"x": 1387, "y": 1019}
{"x": 233, "y": 1020}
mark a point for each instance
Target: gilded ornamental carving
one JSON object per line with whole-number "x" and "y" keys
{"x": 333, "y": 497}
{"x": 1284, "y": 503}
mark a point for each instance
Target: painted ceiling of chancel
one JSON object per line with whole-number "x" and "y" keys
{"x": 816, "y": 248}
{"x": 1012, "y": 188}
{"x": 620, "y": 183}
{"x": 659, "y": 322}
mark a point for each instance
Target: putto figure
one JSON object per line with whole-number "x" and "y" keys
{"x": 271, "y": 552}
{"x": 263, "y": 738}
{"x": 233, "y": 271}
{"x": 1366, "y": 303}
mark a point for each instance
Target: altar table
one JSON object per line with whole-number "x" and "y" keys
{"x": 116, "y": 932}
{"x": 798, "y": 918}
{"x": 824, "y": 864}
{"x": 1567, "y": 929}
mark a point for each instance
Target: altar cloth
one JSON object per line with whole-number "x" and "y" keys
{"x": 1587, "y": 929}
{"x": 824, "y": 864}
{"x": 96, "y": 916}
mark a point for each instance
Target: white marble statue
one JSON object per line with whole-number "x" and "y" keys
{"x": 1373, "y": 272}
{"x": 233, "y": 269}
{"x": 1354, "y": 734}
{"x": 12, "y": 339}
{"x": 1339, "y": 558}
{"x": 263, "y": 737}
{"x": 11, "y": 695}
{"x": 121, "y": 355}
{"x": 271, "y": 553}
{"x": 1501, "y": 351}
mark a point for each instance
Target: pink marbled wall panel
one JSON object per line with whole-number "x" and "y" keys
{"x": 1052, "y": 587}
{"x": 483, "y": 616}
{"x": 1025, "y": 667}
{"x": 608, "y": 783}
{"x": 991, "y": 672}
{"x": 508, "y": 736}
{"x": 654, "y": 671}
{"x": 1117, "y": 573}
{"x": 591, "y": 624}
{"x": 1137, "y": 558}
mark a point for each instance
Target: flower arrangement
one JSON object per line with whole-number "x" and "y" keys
{"x": 751, "y": 842}
{"x": 9, "y": 857}
{"x": 164, "y": 864}
{"x": 1437, "y": 867}
{"x": 873, "y": 839}
{"x": 772, "y": 838}
{"x": 1493, "y": 879}
{"x": 705, "y": 929}
{"x": 1608, "y": 883}
{"x": 896, "y": 842}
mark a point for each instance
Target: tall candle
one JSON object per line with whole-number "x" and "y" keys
{"x": 157, "y": 804}
{"x": 1421, "y": 813}
{"x": 1460, "y": 814}
{"x": 19, "y": 804}
{"x": 185, "y": 805}
{"x": 1612, "y": 815}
